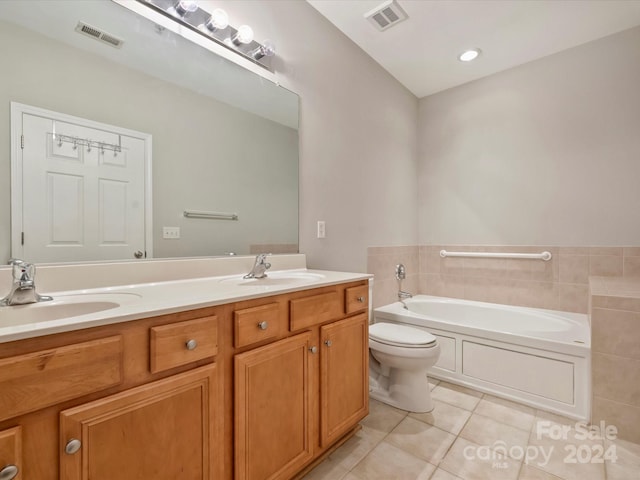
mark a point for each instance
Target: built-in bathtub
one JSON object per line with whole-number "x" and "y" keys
{"x": 537, "y": 357}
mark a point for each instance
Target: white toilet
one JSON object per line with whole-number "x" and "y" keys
{"x": 398, "y": 370}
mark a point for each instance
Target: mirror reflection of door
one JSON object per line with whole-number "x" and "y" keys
{"x": 79, "y": 189}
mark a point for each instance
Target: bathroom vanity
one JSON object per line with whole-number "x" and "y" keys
{"x": 259, "y": 381}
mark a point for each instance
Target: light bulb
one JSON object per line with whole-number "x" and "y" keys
{"x": 219, "y": 20}
{"x": 244, "y": 35}
{"x": 186, "y": 6}
{"x": 469, "y": 55}
{"x": 267, "y": 49}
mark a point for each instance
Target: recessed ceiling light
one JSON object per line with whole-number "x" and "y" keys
{"x": 469, "y": 55}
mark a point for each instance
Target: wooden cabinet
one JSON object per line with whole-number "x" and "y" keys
{"x": 344, "y": 376}
{"x": 163, "y": 431}
{"x": 11, "y": 453}
{"x": 300, "y": 394}
{"x": 273, "y": 393}
{"x": 254, "y": 390}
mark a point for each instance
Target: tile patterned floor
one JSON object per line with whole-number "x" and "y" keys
{"x": 474, "y": 436}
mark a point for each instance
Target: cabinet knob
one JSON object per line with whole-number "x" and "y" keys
{"x": 9, "y": 472}
{"x": 328, "y": 343}
{"x": 191, "y": 344}
{"x": 72, "y": 446}
{"x": 360, "y": 299}
{"x": 313, "y": 349}
{"x": 263, "y": 325}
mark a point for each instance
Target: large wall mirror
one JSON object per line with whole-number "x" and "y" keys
{"x": 223, "y": 138}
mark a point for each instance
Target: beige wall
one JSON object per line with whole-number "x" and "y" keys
{"x": 358, "y": 140}
{"x": 547, "y": 153}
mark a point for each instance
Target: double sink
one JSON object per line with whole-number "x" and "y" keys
{"x": 81, "y": 303}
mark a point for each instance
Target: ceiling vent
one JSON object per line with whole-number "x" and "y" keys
{"x": 386, "y": 15}
{"x": 99, "y": 35}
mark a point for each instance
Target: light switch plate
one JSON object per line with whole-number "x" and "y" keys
{"x": 171, "y": 233}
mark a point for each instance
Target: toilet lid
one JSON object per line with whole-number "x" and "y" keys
{"x": 400, "y": 335}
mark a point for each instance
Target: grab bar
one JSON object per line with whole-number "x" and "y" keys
{"x": 546, "y": 256}
{"x": 210, "y": 215}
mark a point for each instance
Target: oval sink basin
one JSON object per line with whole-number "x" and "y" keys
{"x": 63, "y": 306}
{"x": 276, "y": 278}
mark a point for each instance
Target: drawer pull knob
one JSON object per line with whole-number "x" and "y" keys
{"x": 263, "y": 325}
{"x": 328, "y": 343}
{"x": 9, "y": 472}
{"x": 191, "y": 344}
{"x": 360, "y": 299}
{"x": 313, "y": 349}
{"x": 72, "y": 446}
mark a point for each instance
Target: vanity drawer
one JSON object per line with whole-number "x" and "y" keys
{"x": 37, "y": 380}
{"x": 252, "y": 325}
{"x": 356, "y": 299}
{"x": 182, "y": 343}
{"x": 308, "y": 311}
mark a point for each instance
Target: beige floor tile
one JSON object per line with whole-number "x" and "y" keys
{"x": 421, "y": 439}
{"x": 387, "y": 462}
{"x": 445, "y": 416}
{"x": 357, "y": 447}
{"x": 557, "y": 456}
{"x": 469, "y": 461}
{"x": 440, "y": 474}
{"x": 351, "y": 476}
{"x": 327, "y": 470}
{"x": 511, "y": 413}
{"x": 626, "y": 465}
{"x": 382, "y": 417}
{"x": 491, "y": 433}
{"x": 456, "y": 395}
{"x": 530, "y": 473}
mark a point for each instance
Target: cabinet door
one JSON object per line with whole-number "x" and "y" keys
{"x": 344, "y": 376}
{"x": 162, "y": 431}
{"x": 273, "y": 434}
{"x": 11, "y": 453}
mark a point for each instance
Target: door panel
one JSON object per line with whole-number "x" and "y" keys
{"x": 344, "y": 378}
{"x": 81, "y": 199}
{"x": 273, "y": 437}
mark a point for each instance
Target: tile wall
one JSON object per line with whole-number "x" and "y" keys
{"x": 615, "y": 354}
{"x": 562, "y": 283}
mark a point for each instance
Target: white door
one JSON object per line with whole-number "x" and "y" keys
{"x": 82, "y": 190}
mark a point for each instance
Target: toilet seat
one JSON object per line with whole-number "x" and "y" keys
{"x": 401, "y": 336}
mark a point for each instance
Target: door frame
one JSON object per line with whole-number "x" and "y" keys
{"x": 17, "y": 110}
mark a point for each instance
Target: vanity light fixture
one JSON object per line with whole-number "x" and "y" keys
{"x": 219, "y": 20}
{"x": 183, "y": 7}
{"x": 469, "y": 55}
{"x": 243, "y": 36}
{"x": 267, "y": 49}
{"x": 215, "y": 26}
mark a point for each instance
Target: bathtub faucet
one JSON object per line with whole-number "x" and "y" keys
{"x": 402, "y": 296}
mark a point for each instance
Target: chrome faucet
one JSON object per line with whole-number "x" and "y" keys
{"x": 401, "y": 274}
{"x": 260, "y": 268}
{"x": 23, "y": 289}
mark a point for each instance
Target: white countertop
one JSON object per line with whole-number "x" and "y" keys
{"x": 132, "y": 302}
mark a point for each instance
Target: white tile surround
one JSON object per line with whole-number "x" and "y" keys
{"x": 446, "y": 444}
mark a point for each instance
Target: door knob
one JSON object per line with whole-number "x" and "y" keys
{"x": 313, "y": 349}
{"x": 328, "y": 343}
{"x": 138, "y": 254}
